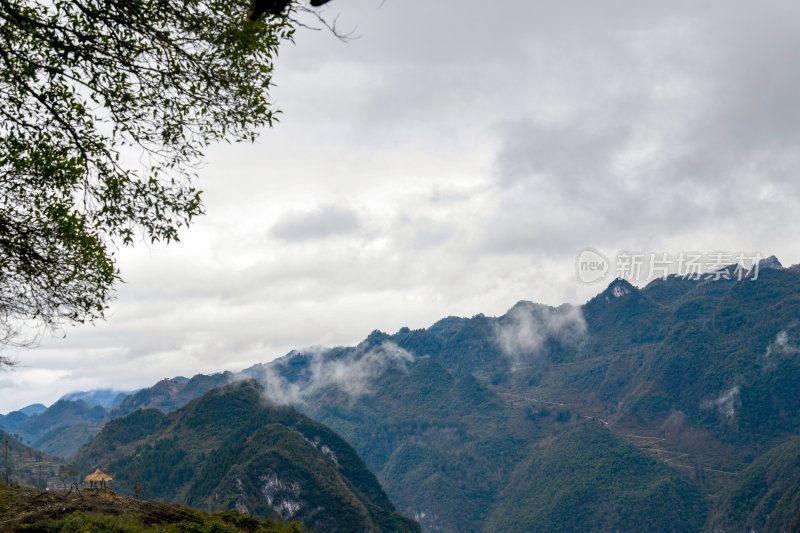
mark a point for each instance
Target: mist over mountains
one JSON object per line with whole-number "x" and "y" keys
{"x": 645, "y": 407}
{"x": 232, "y": 449}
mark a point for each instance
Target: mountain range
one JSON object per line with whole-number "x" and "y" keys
{"x": 66, "y": 425}
{"x": 672, "y": 407}
{"x": 232, "y": 448}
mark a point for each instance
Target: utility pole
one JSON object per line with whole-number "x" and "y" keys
{"x": 6, "y": 443}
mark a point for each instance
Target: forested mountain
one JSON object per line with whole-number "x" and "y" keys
{"x": 232, "y": 449}
{"x": 479, "y": 423}
{"x": 31, "y": 410}
{"x": 60, "y": 429}
{"x": 170, "y": 394}
{"x": 589, "y": 479}
{"x": 26, "y": 466}
{"x": 66, "y": 425}
{"x": 766, "y": 496}
{"x": 699, "y": 374}
{"x": 106, "y": 398}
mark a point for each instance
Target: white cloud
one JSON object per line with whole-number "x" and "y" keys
{"x": 781, "y": 346}
{"x": 322, "y": 222}
{"x": 726, "y": 404}
{"x": 451, "y": 161}
{"x": 354, "y": 373}
{"x": 524, "y": 330}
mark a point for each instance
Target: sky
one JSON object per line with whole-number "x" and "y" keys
{"x": 453, "y": 159}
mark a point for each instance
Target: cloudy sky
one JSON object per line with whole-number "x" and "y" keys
{"x": 452, "y": 160}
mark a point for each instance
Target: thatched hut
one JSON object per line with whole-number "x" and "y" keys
{"x": 97, "y": 479}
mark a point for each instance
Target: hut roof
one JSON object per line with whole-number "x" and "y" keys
{"x": 97, "y": 475}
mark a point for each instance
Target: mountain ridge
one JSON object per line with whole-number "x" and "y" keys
{"x": 233, "y": 449}
{"x": 699, "y": 375}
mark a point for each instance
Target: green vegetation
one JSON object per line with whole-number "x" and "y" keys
{"x": 26, "y": 465}
{"x": 170, "y": 394}
{"x": 589, "y": 480}
{"x": 231, "y": 449}
{"x": 683, "y": 361}
{"x": 451, "y": 451}
{"x": 766, "y": 496}
{"x": 102, "y": 511}
{"x": 60, "y": 429}
{"x": 692, "y": 381}
{"x": 441, "y": 446}
{"x": 86, "y": 87}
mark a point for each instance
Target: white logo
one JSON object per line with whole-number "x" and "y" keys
{"x": 592, "y": 266}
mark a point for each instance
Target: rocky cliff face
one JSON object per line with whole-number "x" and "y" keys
{"x": 232, "y": 449}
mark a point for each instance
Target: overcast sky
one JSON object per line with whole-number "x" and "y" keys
{"x": 453, "y": 160}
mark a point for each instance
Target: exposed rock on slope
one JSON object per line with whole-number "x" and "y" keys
{"x": 231, "y": 449}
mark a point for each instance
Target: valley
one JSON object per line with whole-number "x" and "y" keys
{"x": 658, "y": 402}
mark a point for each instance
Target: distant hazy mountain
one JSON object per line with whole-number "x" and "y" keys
{"x": 232, "y": 449}
{"x": 60, "y": 429}
{"x": 106, "y": 398}
{"x": 33, "y": 409}
{"x": 12, "y": 420}
{"x": 65, "y": 426}
{"x": 466, "y": 422}
{"x": 27, "y": 466}
{"x": 170, "y": 394}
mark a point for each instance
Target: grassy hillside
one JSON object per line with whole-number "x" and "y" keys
{"x": 101, "y": 511}
{"x": 231, "y": 449}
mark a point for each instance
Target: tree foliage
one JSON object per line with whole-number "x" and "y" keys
{"x": 231, "y": 448}
{"x": 106, "y": 107}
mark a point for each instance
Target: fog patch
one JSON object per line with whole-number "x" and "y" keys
{"x": 353, "y": 372}
{"x": 278, "y": 389}
{"x": 726, "y": 403}
{"x": 781, "y": 346}
{"x": 523, "y": 332}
